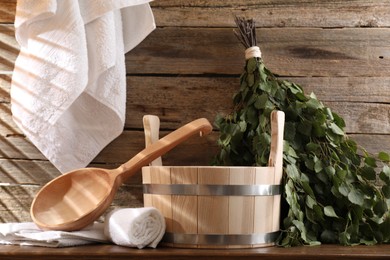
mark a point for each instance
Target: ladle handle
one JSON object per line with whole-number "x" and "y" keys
{"x": 162, "y": 146}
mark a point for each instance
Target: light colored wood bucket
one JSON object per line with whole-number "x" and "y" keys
{"x": 208, "y": 207}
{"x": 219, "y": 207}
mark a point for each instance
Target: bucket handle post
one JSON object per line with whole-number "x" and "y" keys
{"x": 152, "y": 131}
{"x": 276, "y": 151}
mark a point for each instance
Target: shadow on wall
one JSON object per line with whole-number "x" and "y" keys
{"x": 21, "y": 176}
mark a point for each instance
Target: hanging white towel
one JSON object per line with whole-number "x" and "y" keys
{"x": 28, "y": 234}
{"x": 68, "y": 89}
{"x": 135, "y": 227}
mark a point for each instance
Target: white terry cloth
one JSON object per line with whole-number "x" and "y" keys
{"x": 28, "y": 234}
{"x": 135, "y": 227}
{"x": 68, "y": 89}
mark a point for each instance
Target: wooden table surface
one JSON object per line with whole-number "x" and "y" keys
{"x": 117, "y": 252}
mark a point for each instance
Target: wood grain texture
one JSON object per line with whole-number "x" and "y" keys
{"x": 286, "y": 52}
{"x": 356, "y": 101}
{"x": 272, "y": 13}
{"x": 240, "y": 223}
{"x": 219, "y": 88}
{"x": 195, "y": 97}
{"x": 324, "y": 252}
{"x": 5, "y": 82}
{"x": 7, "y": 11}
{"x": 33, "y": 171}
{"x": 184, "y": 208}
{"x": 264, "y": 205}
{"x": 9, "y": 48}
{"x": 162, "y": 202}
{"x": 209, "y": 223}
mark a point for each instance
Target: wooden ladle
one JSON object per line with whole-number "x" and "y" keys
{"x": 74, "y": 200}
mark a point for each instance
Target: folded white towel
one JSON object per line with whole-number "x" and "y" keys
{"x": 28, "y": 234}
{"x": 68, "y": 89}
{"x": 135, "y": 227}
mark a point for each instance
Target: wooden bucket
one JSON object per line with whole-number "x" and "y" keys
{"x": 219, "y": 207}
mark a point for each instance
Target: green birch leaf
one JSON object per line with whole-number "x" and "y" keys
{"x": 318, "y": 130}
{"x": 356, "y": 197}
{"x": 269, "y": 106}
{"x": 252, "y": 99}
{"x": 294, "y": 88}
{"x": 261, "y": 101}
{"x": 312, "y": 147}
{"x": 307, "y": 189}
{"x": 319, "y": 212}
{"x": 385, "y": 174}
{"x": 311, "y": 215}
{"x": 339, "y": 120}
{"x": 335, "y": 191}
{"x": 369, "y": 173}
{"x": 341, "y": 174}
{"x": 291, "y": 152}
{"x": 309, "y": 163}
{"x": 292, "y": 171}
{"x": 336, "y": 129}
{"x": 314, "y": 104}
{"x": 344, "y": 238}
{"x": 251, "y": 65}
{"x": 384, "y": 157}
{"x": 330, "y": 170}
{"x": 380, "y": 207}
{"x": 301, "y": 97}
{"x": 262, "y": 70}
{"x": 370, "y": 161}
{"x": 251, "y": 80}
{"x": 280, "y": 93}
{"x": 251, "y": 114}
{"x": 386, "y": 191}
{"x": 242, "y": 125}
{"x": 329, "y": 211}
{"x": 377, "y": 219}
{"x": 263, "y": 121}
{"x": 318, "y": 166}
{"x": 329, "y": 113}
{"x": 368, "y": 242}
{"x": 265, "y": 86}
{"x": 302, "y": 229}
{"x": 386, "y": 170}
{"x": 310, "y": 202}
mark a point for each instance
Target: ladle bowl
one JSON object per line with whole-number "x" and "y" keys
{"x": 74, "y": 200}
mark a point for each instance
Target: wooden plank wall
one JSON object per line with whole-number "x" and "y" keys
{"x": 189, "y": 68}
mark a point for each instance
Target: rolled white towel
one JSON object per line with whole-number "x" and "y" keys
{"x": 135, "y": 227}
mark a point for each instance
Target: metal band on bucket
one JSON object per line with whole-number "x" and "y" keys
{"x": 212, "y": 190}
{"x": 221, "y": 239}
